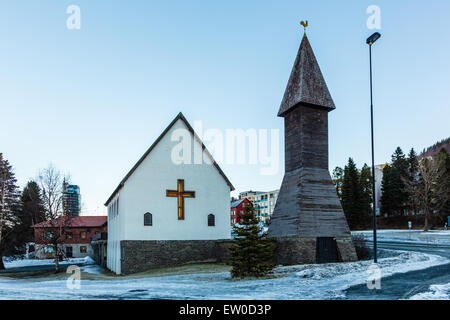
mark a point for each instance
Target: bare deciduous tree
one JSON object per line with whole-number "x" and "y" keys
{"x": 426, "y": 189}
{"x": 57, "y": 219}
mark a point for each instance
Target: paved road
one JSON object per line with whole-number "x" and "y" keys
{"x": 405, "y": 285}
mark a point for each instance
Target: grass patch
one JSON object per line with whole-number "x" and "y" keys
{"x": 181, "y": 270}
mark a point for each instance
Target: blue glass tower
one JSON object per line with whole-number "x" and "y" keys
{"x": 72, "y": 199}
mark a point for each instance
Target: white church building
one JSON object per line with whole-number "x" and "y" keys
{"x": 167, "y": 211}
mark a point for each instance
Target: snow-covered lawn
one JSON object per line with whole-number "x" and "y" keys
{"x": 326, "y": 281}
{"x": 441, "y": 237}
{"x": 437, "y": 292}
{"x": 18, "y": 263}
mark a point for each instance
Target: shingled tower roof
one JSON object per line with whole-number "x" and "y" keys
{"x": 306, "y": 84}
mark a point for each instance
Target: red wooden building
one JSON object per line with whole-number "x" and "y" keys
{"x": 76, "y": 238}
{"x": 237, "y": 208}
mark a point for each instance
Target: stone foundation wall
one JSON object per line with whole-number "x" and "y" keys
{"x": 138, "y": 256}
{"x": 346, "y": 249}
{"x": 292, "y": 250}
{"x": 222, "y": 252}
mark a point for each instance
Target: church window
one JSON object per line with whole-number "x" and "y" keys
{"x": 114, "y": 208}
{"x": 148, "y": 219}
{"x": 211, "y": 220}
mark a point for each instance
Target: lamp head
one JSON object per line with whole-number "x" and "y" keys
{"x": 371, "y": 40}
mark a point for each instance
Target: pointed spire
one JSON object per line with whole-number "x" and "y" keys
{"x": 306, "y": 84}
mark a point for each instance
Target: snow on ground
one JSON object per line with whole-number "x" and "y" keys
{"x": 92, "y": 269}
{"x": 17, "y": 263}
{"x": 441, "y": 237}
{"x": 437, "y": 292}
{"x": 293, "y": 282}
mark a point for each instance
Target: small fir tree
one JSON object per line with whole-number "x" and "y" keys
{"x": 252, "y": 252}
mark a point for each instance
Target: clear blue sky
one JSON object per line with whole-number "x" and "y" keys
{"x": 91, "y": 101}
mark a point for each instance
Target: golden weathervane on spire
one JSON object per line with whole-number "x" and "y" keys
{"x": 304, "y": 24}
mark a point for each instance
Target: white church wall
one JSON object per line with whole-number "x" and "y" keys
{"x": 145, "y": 191}
{"x": 115, "y": 234}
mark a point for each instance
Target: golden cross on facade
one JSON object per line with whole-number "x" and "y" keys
{"x": 180, "y": 193}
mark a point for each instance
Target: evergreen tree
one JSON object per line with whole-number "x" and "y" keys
{"x": 365, "y": 179}
{"x": 387, "y": 194}
{"x": 413, "y": 164}
{"x": 394, "y": 198}
{"x": 252, "y": 252}
{"x": 351, "y": 195}
{"x": 32, "y": 210}
{"x": 400, "y": 172}
{"x": 413, "y": 178}
{"x": 9, "y": 201}
{"x": 399, "y": 161}
{"x": 443, "y": 183}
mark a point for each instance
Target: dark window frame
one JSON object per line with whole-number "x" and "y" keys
{"x": 83, "y": 247}
{"x": 147, "y": 223}
{"x": 69, "y": 252}
{"x": 211, "y": 220}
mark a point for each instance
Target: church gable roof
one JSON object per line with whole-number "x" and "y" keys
{"x": 306, "y": 84}
{"x": 181, "y": 117}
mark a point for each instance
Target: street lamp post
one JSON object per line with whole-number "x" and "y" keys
{"x": 370, "y": 41}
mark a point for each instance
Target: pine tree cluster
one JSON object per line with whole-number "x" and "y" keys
{"x": 354, "y": 188}
{"x": 18, "y": 212}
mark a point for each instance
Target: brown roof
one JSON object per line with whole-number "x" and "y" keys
{"x": 306, "y": 85}
{"x": 86, "y": 221}
{"x": 178, "y": 117}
